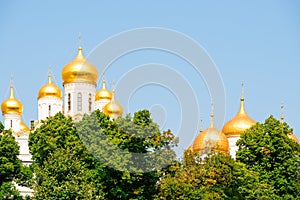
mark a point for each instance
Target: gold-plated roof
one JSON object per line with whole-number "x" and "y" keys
{"x": 50, "y": 90}
{"x": 11, "y": 105}
{"x": 23, "y": 127}
{"x": 80, "y": 70}
{"x": 113, "y": 109}
{"x": 293, "y": 137}
{"x": 103, "y": 93}
{"x": 239, "y": 123}
{"x": 211, "y": 139}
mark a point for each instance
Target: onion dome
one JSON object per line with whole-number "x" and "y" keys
{"x": 103, "y": 94}
{"x": 293, "y": 137}
{"x": 80, "y": 70}
{"x": 12, "y": 105}
{"x": 211, "y": 139}
{"x": 23, "y": 127}
{"x": 50, "y": 90}
{"x": 113, "y": 109}
{"x": 240, "y": 123}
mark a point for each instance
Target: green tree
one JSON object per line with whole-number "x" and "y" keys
{"x": 63, "y": 167}
{"x": 65, "y": 153}
{"x": 1, "y": 127}
{"x": 126, "y": 148}
{"x": 217, "y": 176}
{"x": 11, "y": 168}
{"x": 266, "y": 149}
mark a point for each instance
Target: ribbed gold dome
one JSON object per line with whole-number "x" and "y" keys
{"x": 50, "y": 90}
{"x": 211, "y": 139}
{"x": 12, "y": 105}
{"x": 103, "y": 93}
{"x": 293, "y": 137}
{"x": 239, "y": 123}
{"x": 113, "y": 109}
{"x": 80, "y": 70}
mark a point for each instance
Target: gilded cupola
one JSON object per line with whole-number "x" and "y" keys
{"x": 80, "y": 70}
{"x": 211, "y": 139}
{"x": 103, "y": 93}
{"x": 50, "y": 90}
{"x": 12, "y": 105}
{"x": 113, "y": 109}
{"x": 241, "y": 122}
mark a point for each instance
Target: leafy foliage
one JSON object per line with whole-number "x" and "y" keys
{"x": 1, "y": 127}
{"x": 65, "y": 155}
{"x": 217, "y": 176}
{"x": 11, "y": 168}
{"x": 266, "y": 149}
{"x": 127, "y": 148}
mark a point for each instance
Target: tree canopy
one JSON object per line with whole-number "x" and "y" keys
{"x": 266, "y": 149}
{"x": 98, "y": 158}
{"x": 11, "y": 168}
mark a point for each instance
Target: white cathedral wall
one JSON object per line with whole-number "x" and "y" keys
{"x": 232, "y": 145}
{"x": 12, "y": 121}
{"x": 43, "y": 107}
{"x": 24, "y": 155}
{"x": 87, "y": 92}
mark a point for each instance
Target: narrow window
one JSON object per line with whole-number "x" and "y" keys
{"x": 69, "y": 102}
{"x": 79, "y": 101}
{"x": 90, "y": 102}
{"x": 49, "y": 111}
{"x": 10, "y": 123}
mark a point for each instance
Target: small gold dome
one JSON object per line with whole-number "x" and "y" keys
{"x": 239, "y": 123}
{"x": 103, "y": 94}
{"x": 293, "y": 137}
{"x": 12, "y": 105}
{"x": 211, "y": 139}
{"x": 50, "y": 90}
{"x": 23, "y": 127}
{"x": 113, "y": 109}
{"x": 80, "y": 70}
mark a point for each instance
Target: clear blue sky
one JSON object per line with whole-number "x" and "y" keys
{"x": 255, "y": 41}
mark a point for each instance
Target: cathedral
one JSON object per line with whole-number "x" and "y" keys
{"x": 80, "y": 97}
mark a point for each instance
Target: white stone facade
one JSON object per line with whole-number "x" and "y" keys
{"x": 79, "y": 99}
{"x": 99, "y": 105}
{"x": 232, "y": 145}
{"x": 48, "y": 107}
{"x": 12, "y": 122}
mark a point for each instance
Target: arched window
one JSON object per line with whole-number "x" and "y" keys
{"x": 10, "y": 123}
{"x": 79, "y": 101}
{"x": 69, "y": 102}
{"x": 90, "y": 102}
{"x": 49, "y": 110}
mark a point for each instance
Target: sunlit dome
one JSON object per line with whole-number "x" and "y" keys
{"x": 113, "y": 109}
{"x": 293, "y": 137}
{"x": 50, "y": 90}
{"x": 211, "y": 139}
{"x": 239, "y": 123}
{"x": 103, "y": 94}
{"x": 12, "y": 105}
{"x": 80, "y": 70}
{"x": 23, "y": 127}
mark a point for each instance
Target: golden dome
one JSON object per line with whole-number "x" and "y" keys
{"x": 113, "y": 109}
{"x": 239, "y": 123}
{"x": 80, "y": 70}
{"x": 293, "y": 137}
{"x": 103, "y": 94}
{"x": 12, "y": 105}
{"x": 50, "y": 90}
{"x": 23, "y": 127}
{"x": 211, "y": 139}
